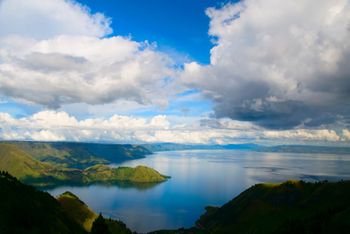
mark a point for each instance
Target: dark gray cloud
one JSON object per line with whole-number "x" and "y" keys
{"x": 282, "y": 115}
{"x": 278, "y": 70}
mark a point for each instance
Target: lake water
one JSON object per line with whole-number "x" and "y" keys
{"x": 201, "y": 178}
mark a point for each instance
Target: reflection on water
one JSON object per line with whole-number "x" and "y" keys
{"x": 119, "y": 184}
{"x": 201, "y": 178}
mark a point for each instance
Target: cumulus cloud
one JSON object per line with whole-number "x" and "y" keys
{"x": 57, "y": 52}
{"x": 60, "y": 126}
{"x": 279, "y": 64}
{"x": 44, "y": 19}
{"x": 346, "y": 134}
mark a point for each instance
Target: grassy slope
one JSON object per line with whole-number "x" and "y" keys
{"x": 84, "y": 216}
{"x": 291, "y": 207}
{"x": 77, "y": 210}
{"x": 80, "y": 155}
{"x": 23, "y": 209}
{"x": 19, "y": 163}
{"x": 60, "y": 154}
{"x": 26, "y": 168}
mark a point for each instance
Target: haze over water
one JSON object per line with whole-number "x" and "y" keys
{"x": 201, "y": 178}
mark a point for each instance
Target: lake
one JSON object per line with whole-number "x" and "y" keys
{"x": 200, "y": 178}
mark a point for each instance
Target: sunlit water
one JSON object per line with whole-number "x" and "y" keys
{"x": 201, "y": 178}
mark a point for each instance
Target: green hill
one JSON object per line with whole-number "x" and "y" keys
{"x": 23, "y": 209}
{"x": 139, "y": 174}
{"x": 19, "y": 163}
{"x": 290, "y": 207}
{"x": 77, "y": 210}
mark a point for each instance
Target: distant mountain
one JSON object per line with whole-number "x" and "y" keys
{"x": 253, "y": 147}
{"x": 305, "y": 149}
{"x": 173, "y": 146}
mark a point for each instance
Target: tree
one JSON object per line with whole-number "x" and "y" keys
{"x": 100, "y": 226}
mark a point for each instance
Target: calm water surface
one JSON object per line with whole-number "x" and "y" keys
{"x": 201, "y": 178}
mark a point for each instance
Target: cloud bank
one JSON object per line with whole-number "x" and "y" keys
{"x": 60, "y": 126}
{"x": 278, "y": 64}
{"x": 57, "y": 52}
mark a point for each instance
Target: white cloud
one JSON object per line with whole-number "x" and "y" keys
{"x": 303, "y": 134}
{"x": 73, "y": 61}
{"x": 278, "y": 63}
{"x": 275, "y": 64}
{"x": 45, "y": 135}
{"x": 346, "y": 134}
{"x": 44, "y": 19}
{"x": 60, "y": 126}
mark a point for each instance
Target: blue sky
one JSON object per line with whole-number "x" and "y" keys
{"x": 184, "y": 71}
{"x": 179, "y": 27}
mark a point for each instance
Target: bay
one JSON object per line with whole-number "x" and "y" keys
{"x": 200, "y": 178}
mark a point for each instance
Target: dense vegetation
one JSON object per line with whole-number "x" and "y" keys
{"x": 23, "y": 209}
{"x": 108, "y": 226}
{"x": 77, "y": 210}
{"x": 290, "y": 207}
{"x": 139, "y": 174}
{"x": 18, "y": 159}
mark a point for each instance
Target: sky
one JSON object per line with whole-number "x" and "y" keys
{"x": 185, "y": 71}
